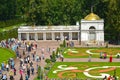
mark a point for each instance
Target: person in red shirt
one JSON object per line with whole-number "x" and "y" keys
{"x": 110, "y": 59}
{"x": 109, "y": 78}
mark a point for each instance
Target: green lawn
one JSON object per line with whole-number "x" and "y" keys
{"x": 81, "y": 69}
{"x": 5, "y": 54}
{"x": 84, "y": 52}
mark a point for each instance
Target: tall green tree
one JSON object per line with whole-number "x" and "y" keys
{"x": 7, "y": 9}
{"x": 113, "y": 20}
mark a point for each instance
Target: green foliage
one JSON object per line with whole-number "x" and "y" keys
{"x": 61, "y": 45}
{"x": 9, "y": 34}
{"x": 53, "y": 59}
{"x": 64, "y": 43}
{"x": 47, "y": 66}
{"x": 52, "y": 12}
{"x": 81, "y": 67}
{"x": 1, "y": 36}
{"x": 82, "y": 52}
{"x": 7, "y": 9}
{"x": 113, "y": 20}
{"x": 57, "y": 51}
{"x": 47, "y": 61}
{"x": 39, "y": 72}
{"x": 11, "y": 22}
{"x": 5, "y": 54}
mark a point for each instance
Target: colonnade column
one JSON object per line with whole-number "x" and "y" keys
{"x": 27, "y": 36}
{"x": 70, "y": 35}
{"x": 78, "y": 36}
{"x": 36, "y": 36}
{"x": 19, "y": 36}
{"x": 44, "y": 36}
{"x": 53, "y": 36}
{"x": 61, "y": 36}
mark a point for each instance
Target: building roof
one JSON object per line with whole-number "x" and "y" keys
{"x": 92, "y": 16}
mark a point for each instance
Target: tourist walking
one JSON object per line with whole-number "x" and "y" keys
{"x": 7, "y": 67}
{"x": 14, "y": 71}
{"x": 110, "y": 59}
{"x": 89, "y": 59}
{"x": 4, "y": 77}
{"x": 28, "y": 72}
{"x": 21, "y": 77}
{"x": 11, "y": 77}
{"x": 26, "y": 77}
{"x": 32, "y": 70}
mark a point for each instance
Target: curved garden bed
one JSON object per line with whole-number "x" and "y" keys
{"x": 84, "y": 52}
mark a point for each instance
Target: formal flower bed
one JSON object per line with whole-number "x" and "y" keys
{"x": 84, "y": 70}
{"x": 84, "y": 52}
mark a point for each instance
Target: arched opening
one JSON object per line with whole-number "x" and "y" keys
{"x": 92, "y": 34}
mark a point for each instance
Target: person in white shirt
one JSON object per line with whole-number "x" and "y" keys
{"x": 7, "y": 67}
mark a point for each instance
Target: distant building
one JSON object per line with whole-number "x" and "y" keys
{"x": 90, "y": 31}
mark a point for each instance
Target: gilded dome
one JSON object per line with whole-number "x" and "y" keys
{"x": 92, "y": 16}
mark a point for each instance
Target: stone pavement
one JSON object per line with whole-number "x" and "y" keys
{"x": 53, "y": 44}
{"x": 92, "y": 60}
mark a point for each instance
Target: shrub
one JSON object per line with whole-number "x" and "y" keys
{"x": 39, "y": 69}
{"x": 64, "y": 43}
{"x": 57, "y": 51}
{"x": 61, "y": 45}
{"x": 47, "y": 61}
{"x": 40, "y": 73}
{"x": 53, "y": 59}
{"x": 47, "y": 67}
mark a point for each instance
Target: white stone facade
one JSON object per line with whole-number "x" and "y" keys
{"x": 48, "y": 33}
{"x": 90, "y": 31}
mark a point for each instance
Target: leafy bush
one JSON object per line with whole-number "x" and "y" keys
{"x": 61, "y": 45}
{"x": 47, "y": 61}
{"x": 64, "y": 43}
{"x": 57, "y": 51}
{"x": 39, "y": 73}
{"x": 47, "y": 67}
{"x": 53, "y": 59}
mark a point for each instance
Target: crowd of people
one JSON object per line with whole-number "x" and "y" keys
{"x": 110, "y": 78}
{"x": 29, "y": 59}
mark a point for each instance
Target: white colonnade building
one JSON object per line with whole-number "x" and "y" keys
{"x": 48, "y": 33}
{"x": 90, "y": 31}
